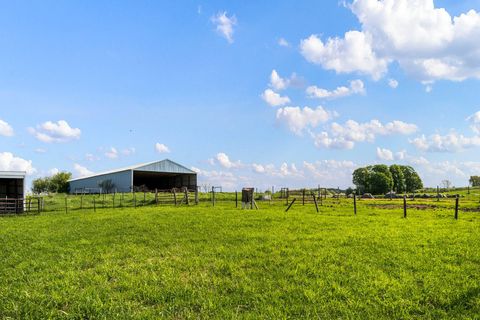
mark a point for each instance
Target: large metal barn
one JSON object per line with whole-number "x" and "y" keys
{"x": 160, "y": 175}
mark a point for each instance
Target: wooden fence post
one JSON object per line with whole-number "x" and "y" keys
{"x": 291, "y": 203}
{"x": 315, "y": 200}
{"x": 144, "y": 197}
{"x": 113, "y": 200}
{"x": 438, "y": 194}
{"x": 94, "y": 205}
{"x": 38, "y": 205}
{"x": 236, "y": 199}
{"x": 303, "y": 196}
{"x": 81, "y": 202}
{"x": 213, "y": 196}
{"x": 354, "y": 204}
{"x": 134, "y": 199}
{"x": 196, "y": 195}
{"x": 405, "y": 206}
{"x": 156, "y": 196}
{"x": 174, "y": 196}
{"x": 456, "y": 207}
{"x": 121, "y": 200}
{"x": 186, "y": 196}
{"x": 66, "y": 205}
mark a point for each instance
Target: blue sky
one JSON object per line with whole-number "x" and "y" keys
{"x": 260, "y": 93}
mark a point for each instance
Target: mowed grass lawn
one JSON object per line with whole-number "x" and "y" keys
{"x": 200, "y": 262}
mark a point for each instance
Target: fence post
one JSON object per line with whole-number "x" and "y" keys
{"x": 186, "y": 196}
{"x": 196, "y": 195}
{"x": 113, "y": 200}
{"x": 315, "y": 200}
{"x": 405, "y": 206}
{"x": 291, "y": 203}
{"x": 438, "y": 194}
{"x": 156, "y": 196}
{"x": 121, "y": 200}
{"x": 236, "y": 199}
{"x": 94, "y": 205}
{"x": 303, "y": 196}
{"x": 66, "y": 205}
{"x": 38, "y": 205}
{"x": 134, "y": 199}
{"x": 456, "y": 207}
{"x": 144, "y": 197}
{"x": 354, "y": 204}
{"x": 81, "y": 202}
{"x": 174, "y": 196}
{"x": 213, "y": 196}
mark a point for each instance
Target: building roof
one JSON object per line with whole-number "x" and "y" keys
{"x": 12, "y": 174}
{"x": 166, "y": 165}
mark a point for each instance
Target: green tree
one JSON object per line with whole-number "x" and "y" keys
{"x": 361, "y": 177}
{"x": 40, "y": 185}
{"x": 59, "y": 182}
{"x": 412, "y": 179}
{"x": 380, "y": 182}
{"x": 474, "y": 181}
{"x": 398, "y": 178}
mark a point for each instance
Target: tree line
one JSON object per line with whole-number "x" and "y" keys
{"x": 380, "y": 179}
{"x": 57, "y": 183}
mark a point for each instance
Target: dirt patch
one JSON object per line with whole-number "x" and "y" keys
{"x": 400, "y": 206}
{"x": 470, "y": 209}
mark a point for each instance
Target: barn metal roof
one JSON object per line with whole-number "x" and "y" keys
{"x": 167, "y": 166}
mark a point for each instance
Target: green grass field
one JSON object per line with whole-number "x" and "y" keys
{"x": 202, "y": 262}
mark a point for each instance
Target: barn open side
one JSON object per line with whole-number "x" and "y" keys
{"x": 161, "y": 175}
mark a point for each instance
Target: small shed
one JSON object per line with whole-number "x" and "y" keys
{"x": 12, "y": 184}
{"x": 161, "y": 175}
{"x": 12, "y": 191}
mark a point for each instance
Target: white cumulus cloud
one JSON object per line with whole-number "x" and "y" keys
{"x": 353, "y": 53}
{"x": 81, "y": 171}
{"x": 9, "y": 162}
{"x": 161, "y": 148}
{"x": 52, "y": 132}
{"x": 384, "y": 154}
{"x": 297, "y": 119}
{"x": 224, "y": 160}
{"x": 224, "y": 25}
{"x": 355, "y": 87}
{"x": 274, "y": 99}
{"x": 6, "y": 130}
{"x": 426, "y": 41}
{"x": 451, "y": 142}
{"x": 392, "y": 83}
{"x": 111, "y": 153}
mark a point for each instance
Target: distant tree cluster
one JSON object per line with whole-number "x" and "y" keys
{"x": 380, "y": 179}
{"x": 475, "y": 181}
{"x": 57, "y": 183}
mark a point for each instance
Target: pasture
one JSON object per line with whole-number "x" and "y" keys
{"x": 204, "y": 262}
